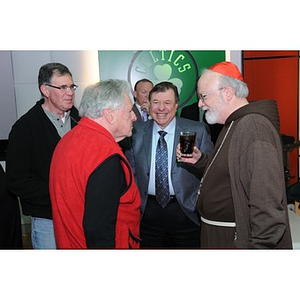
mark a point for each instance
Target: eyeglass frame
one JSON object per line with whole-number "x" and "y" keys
{"x": 64, "y": 88}
{"x": 202, "y": 97}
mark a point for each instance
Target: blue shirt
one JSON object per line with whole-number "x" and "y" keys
{"x": 169, "y": 138}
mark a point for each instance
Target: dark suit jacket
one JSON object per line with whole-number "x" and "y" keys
{"x": 185, "y": 182}
{"x": 137, "y": 113}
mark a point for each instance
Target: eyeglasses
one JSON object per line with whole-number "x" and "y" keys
{"x": 203, "y": 97}
{"x": 64, "y": 88}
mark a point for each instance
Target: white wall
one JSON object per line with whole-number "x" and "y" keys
{"x": 8, "y": 113}
{"x": 235, "y": 57}
{"x": 83, "y": 65}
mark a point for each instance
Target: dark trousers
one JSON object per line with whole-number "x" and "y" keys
{"x": 168, "y": 228}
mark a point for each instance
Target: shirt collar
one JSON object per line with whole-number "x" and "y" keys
{"x": 54, "y": 116}
{"x": 170, "y": 129}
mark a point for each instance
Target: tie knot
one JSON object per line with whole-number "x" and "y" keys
{"x": 162, "y": 133}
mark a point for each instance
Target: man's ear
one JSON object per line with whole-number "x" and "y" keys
{"x": 109, "y": 115}
{"x": 229, "y": 93}
{"x": 45, "y": 90}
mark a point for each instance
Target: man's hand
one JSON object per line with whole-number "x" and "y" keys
{"x": 192, "y": 160}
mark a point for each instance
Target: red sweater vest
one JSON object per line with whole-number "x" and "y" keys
{"x": 76, "y": 156}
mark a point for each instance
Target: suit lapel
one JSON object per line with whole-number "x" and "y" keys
{"x": 176, "y": 140}
{"x": 147, "y": 141}
{"x": 137, "y": 113}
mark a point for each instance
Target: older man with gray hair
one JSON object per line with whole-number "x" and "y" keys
{"x": 95, "y": 201}
{"x": 242, "y": 198}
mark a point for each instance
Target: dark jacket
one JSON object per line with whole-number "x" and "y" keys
{"x": 185, "y": 182}
{"x": 32, "y": 141}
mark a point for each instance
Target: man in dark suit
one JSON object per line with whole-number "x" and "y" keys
{"x": 192, "y": 112}
{"x": 175, "y": 224}
{"x": 141, "y": 98}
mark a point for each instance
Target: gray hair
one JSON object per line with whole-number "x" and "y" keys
{"x": 240, "y": 88}
{"x": 104, "y": 94}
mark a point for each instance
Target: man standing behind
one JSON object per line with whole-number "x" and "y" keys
{"x": 174, "y": 223}
{"x": 142, "y": 89}
{"x": 32, "y": 141}
{"x": 242, "y": 199}
{"x": 95, "y": 201}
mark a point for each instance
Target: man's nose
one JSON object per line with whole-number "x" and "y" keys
{"x": 200, "y": 103}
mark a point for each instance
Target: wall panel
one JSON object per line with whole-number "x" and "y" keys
{"x": 274, "y": 75}
{"x": 8, "y": 113}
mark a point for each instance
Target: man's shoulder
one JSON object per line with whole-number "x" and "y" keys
{"x": 141, "y": 127}
{"x": 75, "y": 113}
{"x": 30, "y": 116}
{"x": 188, "y": 122}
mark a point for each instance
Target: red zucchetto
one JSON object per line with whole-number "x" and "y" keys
{"x": 227, "y": 68}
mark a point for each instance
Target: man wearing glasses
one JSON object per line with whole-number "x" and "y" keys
{"x": 241, "y": 198}
{"x": 32, "y": 141}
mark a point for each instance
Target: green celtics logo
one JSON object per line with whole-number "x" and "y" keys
{"x": 178, "y": 67}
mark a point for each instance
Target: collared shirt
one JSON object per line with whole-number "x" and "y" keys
{"x": 169, "y": 138}
{"x": 139, "y": 109}
{"x": 62, "y": 125}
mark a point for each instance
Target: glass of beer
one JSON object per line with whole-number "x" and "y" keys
{"x": 187, "y": 143}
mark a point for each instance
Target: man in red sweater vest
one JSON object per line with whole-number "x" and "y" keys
{"x": 95, "y": 201}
